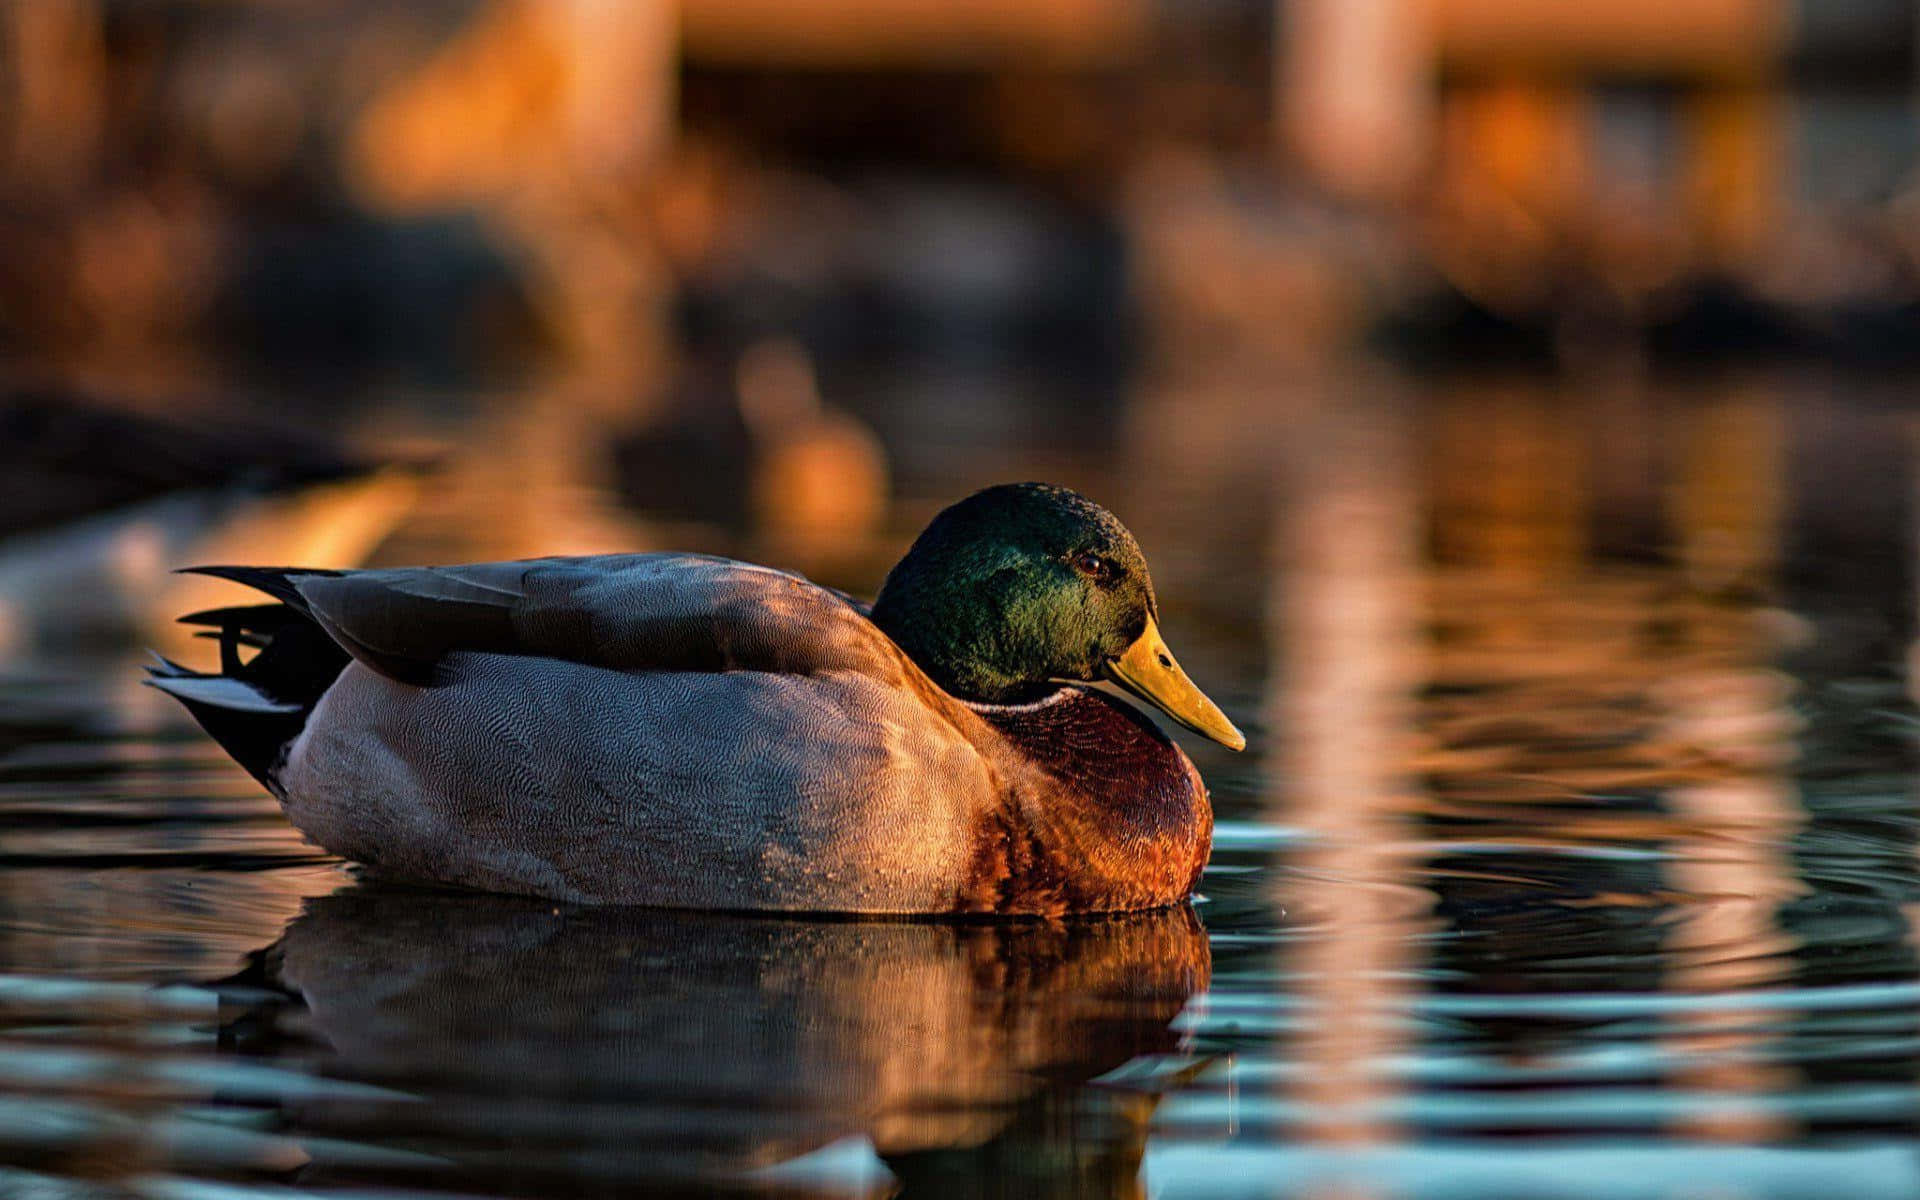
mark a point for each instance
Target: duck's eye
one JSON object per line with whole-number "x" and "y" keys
{"x": 1103, "y": 571}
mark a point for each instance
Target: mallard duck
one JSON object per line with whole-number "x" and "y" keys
{"x": 685, "y": 731}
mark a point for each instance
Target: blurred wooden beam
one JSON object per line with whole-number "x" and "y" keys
{"x": 1734, "y": 172}
{"x": 1711, "y": 36}
{"x": 919, "y": 33}
{"x": 621, "y": 97}
{"x": 53, "y": 85}
{"x": 1354, "y": 81}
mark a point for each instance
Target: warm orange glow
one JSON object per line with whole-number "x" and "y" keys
{"x": 54, "y": 51}
{"x": 870, "y": 32}
{"x": 1705, "y": 35}
{"x": 481, "y": 116}
{"x": 1733, "y": 188}
{"x": 1733, "y": 709}
{"x": 1356, "y": 90}
{"x": 1344, "y": 621}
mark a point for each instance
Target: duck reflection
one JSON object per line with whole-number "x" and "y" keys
{"x": 529, "y": 1047}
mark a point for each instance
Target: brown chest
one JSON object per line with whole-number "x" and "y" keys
{"x": 1103, "y": 813}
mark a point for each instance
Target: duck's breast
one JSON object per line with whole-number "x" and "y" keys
{"x": 1121, "y": 821}
{"x": 739, "y": 789}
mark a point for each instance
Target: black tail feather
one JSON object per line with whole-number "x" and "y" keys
{"x": 163, "y": 667}
{"x": 253, "y": 641}
{"x": 278, "y": 582}
{"x": 254, "y": 708}
{"x": 261, "y": 617}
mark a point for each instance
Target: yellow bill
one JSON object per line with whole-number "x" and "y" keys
{"x": 1149, "y": 671}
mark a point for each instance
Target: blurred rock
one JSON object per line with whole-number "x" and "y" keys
{"x": 756, "y": 452}
{"x": 66, "y": 455}
{"x": 104, "y": 503}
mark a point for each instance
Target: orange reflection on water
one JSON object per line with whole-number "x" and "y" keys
{"x": 1342, "y": 623}
{"x": 1634, "y": 683}
{"x": 1732, "y": 860}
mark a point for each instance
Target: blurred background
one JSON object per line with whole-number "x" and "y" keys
{"x": 518, "y": 276}
{"x": 1515, "y": 399}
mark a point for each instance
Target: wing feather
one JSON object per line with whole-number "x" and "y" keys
{"x": 630, "y": 612}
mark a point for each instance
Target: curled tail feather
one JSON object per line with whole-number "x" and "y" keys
{"x": 255, "y": 707}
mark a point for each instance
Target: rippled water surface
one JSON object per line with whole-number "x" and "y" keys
{"x": 1575, "y": 855}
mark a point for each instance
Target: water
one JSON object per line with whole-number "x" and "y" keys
{"x": 1576, "y": 855}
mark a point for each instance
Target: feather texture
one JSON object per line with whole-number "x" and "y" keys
{"x": 632, "y": 612}
{"x": 680, "y": 730}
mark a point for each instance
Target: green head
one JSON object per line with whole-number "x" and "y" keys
{"x": 1024, "y": 584}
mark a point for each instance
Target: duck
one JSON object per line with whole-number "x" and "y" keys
{"x": 685, "y": 731}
